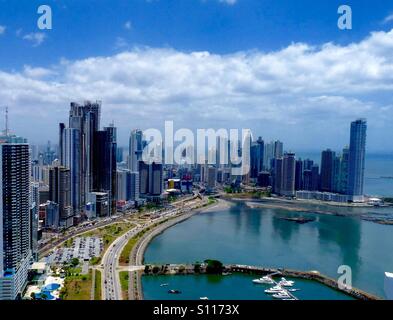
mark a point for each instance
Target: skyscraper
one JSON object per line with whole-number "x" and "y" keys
{"x": 343, "y": 175}
{"x": 277, "y": 175}
{"x": 60, "y": 193}
{"x": 135, "y": 149}
{"x": 299, "y": 175}
{"x": 15, "y": 232}
{"x": 86, "y": 119}
{"x": 327, "y": 170}
{"x": 288, "y": 175}
{"x": 357, "y": 154}
{"x": 257, "y": 151}
{"x": 104, "y": 165}
{"x": 315, "y": 178}
{"x": 70, "y": 150}
{"x": 151, "y": 180}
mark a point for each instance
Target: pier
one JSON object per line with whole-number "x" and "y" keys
{"x": 308, "y": 275}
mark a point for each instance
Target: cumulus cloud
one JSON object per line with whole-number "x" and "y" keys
{"x": 303, "y": 94}
{"x": 37, "y": 38}
{"x": 2, "y": 30}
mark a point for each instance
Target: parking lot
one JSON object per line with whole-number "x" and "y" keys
{"x": 82, "y": 248}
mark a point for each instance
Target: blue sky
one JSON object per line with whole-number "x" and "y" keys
{"x": 209, "y": 60}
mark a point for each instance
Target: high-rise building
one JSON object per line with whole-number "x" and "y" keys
{"x": 264, "y": 179}
{"x": 135, "y": 150}
{"x": 60, "y": 193}
{"x": 315, "y": 178}
{"x": 307, "y": 164}
{"x": 34, "y": 217}
{"x": 156, "y": 182}
{"x": 127, "y": 185}
{"x": 151, "y": 180}
{"x": 86, "y": 119}
{"x": 343, "y": 175}
{"x": 299, "y": 175}
{"x": 52, "y": 215}
{"x": 15, "y": 231}
{"x": 327, "y": 170}
{"x": 357, "y": 154}
{"x": 211, "y": 178}
{"x": 257, "y": 150}
{"x": 307, "y": 180}
{"x": 268, "y": 155}
{"x": 104, "y": 164}
{"x": 71, "y": 148}
{"x": 278, "y": 149}
{"x": 288, "y": 175}
{"x": 277, "y": 175}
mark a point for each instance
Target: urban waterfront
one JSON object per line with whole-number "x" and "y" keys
{"x": 257, "y": 236}
{"x": 231, "y": 287}
{"x": 377, "y": 175}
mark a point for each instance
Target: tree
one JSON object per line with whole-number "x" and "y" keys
{"x": 74, "y": 262}
{"x": 214, "y": 266}
{"x": 147, "y": 269}
{"x": 156, "y": 269}
{"x": 197, "y": 267}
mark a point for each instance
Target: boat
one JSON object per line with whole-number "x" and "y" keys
{"x": 281, "y": 295}
{"x": 293, "y": 290}
{"x": 263, "y": 280}
{"x": 174, "y": 291}
{"x": 275, "y": 289}
{"x": 226, "y": 273}
{"x": 286, "y": 283}
{"x": 203, "y": 298}
{"x": 164, "y": 284}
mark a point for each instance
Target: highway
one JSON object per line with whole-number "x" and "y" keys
{"x": 111, "y": 289}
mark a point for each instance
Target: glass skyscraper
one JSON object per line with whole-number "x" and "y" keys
{"x": 357, "y": 154}
{"x": 15, "y": 232}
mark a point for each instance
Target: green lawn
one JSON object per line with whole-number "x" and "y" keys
{"x": 77, "y": 287}
{"x": 97, "y": 286}
{"x": 124, "y": 279}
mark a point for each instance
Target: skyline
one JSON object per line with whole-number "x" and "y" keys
{"x": 282, "y": 86}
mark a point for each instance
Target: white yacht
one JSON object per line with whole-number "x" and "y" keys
{"x": 203, "y": 298}
{"x": 286, "y": 283}
{"x": 281, "y": 295}
{"x": 264, "y": 280}
{"x": 275, "y": 289}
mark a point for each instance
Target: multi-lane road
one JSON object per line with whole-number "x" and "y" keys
{"x": 111, "y": 288}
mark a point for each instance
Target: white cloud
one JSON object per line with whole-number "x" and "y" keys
{"x": 2, "y": 29}
{"x": 120, "y": 43}
{"x": 37, "y": 38}
{"x": 230, "y": 2}
{"x": 31, "y": 72}
{"x": 302, "y": 94}
{"x": 388, "y": 19}
{"x": 128, "y": 25}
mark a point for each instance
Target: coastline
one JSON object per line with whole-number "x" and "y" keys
{"x": 221, "y": 204}
{"x": 315, "y": 276}
{"x": 313, "y": 207}
{"x": 138, "y": 251}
